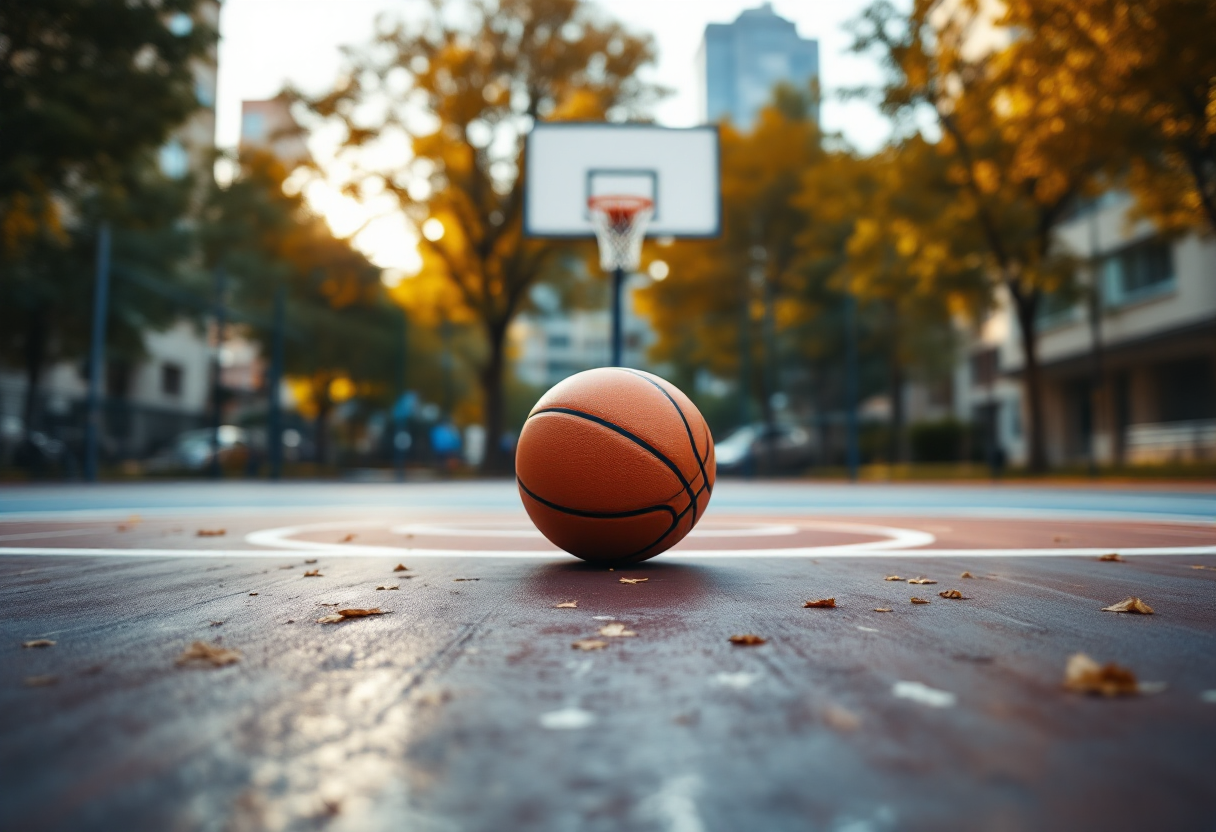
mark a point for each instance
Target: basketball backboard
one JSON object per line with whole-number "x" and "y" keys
{"x": 567, "y": 163}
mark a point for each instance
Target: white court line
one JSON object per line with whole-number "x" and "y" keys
{"x": 434, "y": 529}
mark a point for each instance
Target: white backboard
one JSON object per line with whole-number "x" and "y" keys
{"x": 677, "y": 168}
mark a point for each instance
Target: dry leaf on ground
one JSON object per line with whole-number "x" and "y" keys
{"x": 616, "y": 631}
{"x": 634, "y": 580}
{"x": 966, "y": 575}
{"x": 1131, "y": 604}
{"x": 882, "y": 609}
{"x": 822, "y": 603}
{"x": 401, "y": 567}
{"x": 919, "y": 601}
{"x": 313, "y": 573}
{"x": 211, "y": 532}
{"x": 200, "y": 652}
{"x": 566, "y": 605}
{"x": 330, "y": 619}
{"x": 921, "y": 581}
{"x": 456, "y": 580}
{"x": 589, "y": 644}
{"x": 288, "y": 566}
{"x": 312, "y": 560}
{"x": 347, "y": 539}
{"x": 840, "y": 718}
{"x": 253, "y": 593}
{"x": 388, "y": 587}
{"x": 356, "y": 613}
{"x": 748, "y": 640}
{"x": 1084, "y": 675}
{"x": 40, "y": 681}
{"x": 1113, "y": 556}
{"x": 892, "y": 578}
{"x": 38, "y": 642}
{"x": 953, "y": 593}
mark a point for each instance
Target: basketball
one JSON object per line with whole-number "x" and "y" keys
{"x": 615, "y": 465}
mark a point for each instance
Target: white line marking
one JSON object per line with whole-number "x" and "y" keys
{"x": 923, "y": 694}
{"x": 434, "y": 529}
{"x": 52, "y": 533}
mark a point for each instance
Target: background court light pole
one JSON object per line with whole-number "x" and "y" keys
{"x": 97, "y": 353}
{"x": 852, "y": 451}
{"x": 221, "y": 283}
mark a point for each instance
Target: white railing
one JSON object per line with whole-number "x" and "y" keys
{"x": 1172, "y": 441}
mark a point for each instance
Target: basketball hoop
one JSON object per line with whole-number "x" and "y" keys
{"x": 620, "y": 224}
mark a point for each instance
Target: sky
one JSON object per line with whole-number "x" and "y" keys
{"x": 268, "y": 43}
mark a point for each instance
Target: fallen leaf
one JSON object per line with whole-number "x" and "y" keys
{"x": 323, "y": 604}
{"x": 330, "y": 619}
{"x": 882, "y": 609}
{"x": 217, "y": 623}
{"x": 253, "y": 593}
{"x": 347, "y": 539}
{"x": 966, "y": 575}
{"x": 892, "y": 578}
{"x": 1132, "y": 605}
{"x": 314, "y": 560}
{"x": 38, "y": 642}
{"x": 748, "y": 640}
{"x": 841, "y": 719}
{"x": 1113, "y": 556}
{"x": 919, "y": 601}
{"x": 589, "y": 644}
{"x": 634, "y": 580}
{"x": 401, "y": 567}
{"x": 388, "y": 587}
{"x": 313, "y": 573}
{"x": 566, "y": 605}
{"x": 211, "y": 532}
{"x": 288, "y": 566}
{"x": 290, "y": 621}
{"x": 616, "y": 631}
{"x": 200, "y": 652}
{"x": 921, "y": 581}
{"x": 355, "y": 613}
{"x": 1084, "y": 675}
{"x": 40, "y": 681}
{"x": 456, "y": 580}
{"x": 953, "y": 593}
{"x": 822, "y": 603}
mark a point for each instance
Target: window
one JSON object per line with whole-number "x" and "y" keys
{"x": 1142, "y": 270}
{"x": 171, "y": 379}
{"x": 253, "y": 127}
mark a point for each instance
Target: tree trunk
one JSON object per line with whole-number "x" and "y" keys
{"x": 1027, "y": 305}
{"x": 36, "y": 334}
{"x": 496, "y": 459}
{"x": 896, "y": 448}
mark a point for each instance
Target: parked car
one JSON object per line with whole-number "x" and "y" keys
{"x": 191, "y": 451}
{"x": 765, "y": 449}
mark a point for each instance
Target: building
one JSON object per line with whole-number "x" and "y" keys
{"x": 740, "y": 63}
{"x": 1127, "y": 379}
{"x": 269, "y": 125}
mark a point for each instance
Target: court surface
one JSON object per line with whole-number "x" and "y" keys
{"x": 466, "y": 707}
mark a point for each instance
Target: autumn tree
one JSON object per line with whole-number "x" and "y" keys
{"x": 462, "y": 87}
{"x": 938, "y": 63}
{"x": 1138, "y": 75}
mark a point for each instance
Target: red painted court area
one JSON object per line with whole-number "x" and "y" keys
{"x": 466, "y": 705}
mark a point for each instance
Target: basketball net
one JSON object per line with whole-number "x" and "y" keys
{"x": 620, "y": 224}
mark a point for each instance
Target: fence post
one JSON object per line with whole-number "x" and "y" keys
{"x": 97, "y": 353}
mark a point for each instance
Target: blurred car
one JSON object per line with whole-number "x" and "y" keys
{"x": 191, "y": 451}
{"x": 765, "y": 449}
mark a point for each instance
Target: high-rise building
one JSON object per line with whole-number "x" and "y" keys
{"x": 740, "y": 63}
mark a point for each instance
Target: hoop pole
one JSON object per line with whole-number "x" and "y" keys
{"x": 618, "y": 286}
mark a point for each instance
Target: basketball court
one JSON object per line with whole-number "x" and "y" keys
{"x": 466, "y": 706}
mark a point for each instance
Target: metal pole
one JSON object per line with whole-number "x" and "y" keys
{"x": 398, "y": 412}
{"x": 216, "y": 381}
{"x": 1095, "y": 326}
{"x": 745, "y": 357}
{"x": 274, "y": 426}
{"x": 852, "y": 451}
{"x": 618, "y": 290}
{"x": 97, "y": 353}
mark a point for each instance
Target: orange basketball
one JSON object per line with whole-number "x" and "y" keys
{"x": 615, "y": 465}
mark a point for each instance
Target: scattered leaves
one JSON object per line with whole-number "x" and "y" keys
{"x": 919, "y": 601}
{"x": 457, "y": 580}
{"x": 217, "y": 623}
{"x": 253, "y": 593}
{"x": 313, "y": 573}
{"x": 1059, "y": 538}
{"x": 882, "y": 609}
{"x": 1131, "y": 604}
{"x": 634, "y": 580}
{"x": 200, "y": 653}
{"x": 748, "y": 640}
{"x": 1112, "y": 557}
{"x": 330, "y": 619}
{"x": 821, "y": 603}
{"x": 40, "y": 681}
{"x": 966, "y": 575}
{"x": 347, "y": 539}
{"x": 211, "y": 532}
{"x": 589, "y": 644}
{"x": 953, "y": 593}
{"x": 388, "y": 587}
{"x": 38, "y": 642}
{"x": 401, "y": 567}
{"x": 616, "y": 631}
{"x": 921, "y": 581}
{"x": 566, "y": 605}
{"x": 313, "y": 560}
{"x": 1084, "y": 675}
{"x": 892, "y": 578}
{"x": 342, "y": 615}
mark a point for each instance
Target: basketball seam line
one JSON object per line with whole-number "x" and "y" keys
{"x": 637, "y": 440}
{"x": 687, "y": 428}
{"x": 675, "y": 518}
{"x": 674, "y": 523}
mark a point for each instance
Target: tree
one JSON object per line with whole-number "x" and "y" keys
{"x": 1141, "y": 74}
{"x": 937, "y": 63}
{"x": 463, "y": 88}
